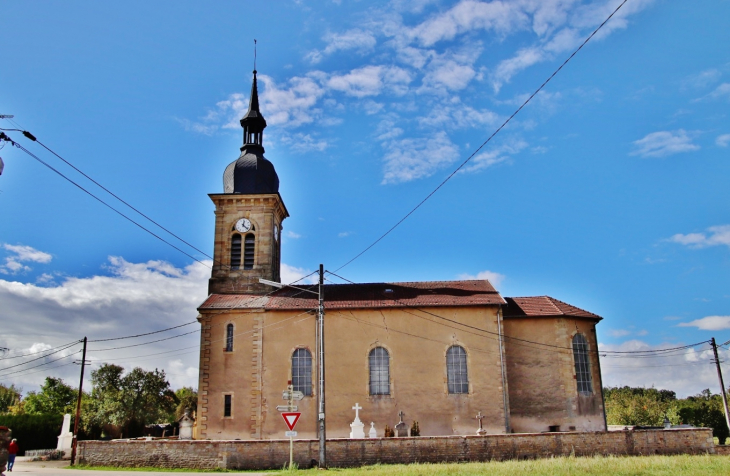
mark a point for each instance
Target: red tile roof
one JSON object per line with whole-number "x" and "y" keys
{"x": 370, "y": 295}
{"x": 544, "y": 306}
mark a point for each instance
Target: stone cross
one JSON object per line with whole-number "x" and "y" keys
{"x": 401, "y": 429}
{"x": 401, "y": 415}
{"x": 481, "y": 431}
{"x": 357, "y": 409}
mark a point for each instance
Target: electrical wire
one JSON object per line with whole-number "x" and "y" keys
{"x": 39, "y": 352}
{"x": 146, "y": 334}
{"x": 451, "y": 175}
{"x": 41, "y": 357}
{"x": 106, "y": 204}
{"x": 39, "y": 365}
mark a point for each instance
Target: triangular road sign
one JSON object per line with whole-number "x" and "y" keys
{"x": 291, "y": 419}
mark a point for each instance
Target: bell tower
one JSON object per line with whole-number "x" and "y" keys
{"x": 248, "y": 215}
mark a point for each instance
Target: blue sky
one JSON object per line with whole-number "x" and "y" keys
{"x": 608, "y": 191}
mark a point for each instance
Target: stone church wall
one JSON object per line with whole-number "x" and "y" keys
{"x": 273, "y": 454}
{"x": 542, "y": 383}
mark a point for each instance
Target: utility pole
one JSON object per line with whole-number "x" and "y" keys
{"x": 320, "y": 370}
{"x": 78, "y": 407}
{"x": 722, "y": 384}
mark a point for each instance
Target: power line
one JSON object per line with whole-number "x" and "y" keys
{"x": 39, "y": 352}
{"x": 41, "y": 357}
{"x": 39, "y": 365}
{"x": 5, "y": 137}
{"x": 451, "y": 175}
{"x": 142, "y": 335}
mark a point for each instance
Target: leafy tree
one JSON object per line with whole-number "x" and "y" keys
{"x": 637, "y": 406}
{"x": 9, "y": 397}
{"x": 129, "y": 401}
{"x": 188, "y": 400}
{"x": 54, "y": 398}
{"x": 705, "y": 410}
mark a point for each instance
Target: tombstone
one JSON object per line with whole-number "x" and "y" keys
{"x": 356, "y": 427}
{"x": 186, "y": 426}
{"x": 401, "y": 429}
{"x": 372, "y": 433}
{"x": 66, "y": 438}
{"x": 481, "y": 431}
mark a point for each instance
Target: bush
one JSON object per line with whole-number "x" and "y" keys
{"x": 34, "y": 432}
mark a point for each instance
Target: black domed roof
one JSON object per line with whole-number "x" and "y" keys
{"x": 251, "y": 173}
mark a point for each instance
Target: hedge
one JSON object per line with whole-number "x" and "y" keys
{"x": 34, "y": 432}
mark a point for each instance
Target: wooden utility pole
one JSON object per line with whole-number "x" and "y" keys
{"x": 78, "y": 407}
{"x": 722, "y": 384}
{"x": 320, "y": 371}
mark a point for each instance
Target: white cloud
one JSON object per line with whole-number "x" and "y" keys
{"x": 371, "y": 81}
{"x": 22, "y": 254}
{"x": 715, "y": 236}
{"x": 619, "y": 332}
{"x": 344, "y": 234}
{"x": 664, "y": 143}
{"x": 702, "y": 79}
{"x": 723, "y": 140}
{"x": 495, "y": 156}
{"x": 709, "y": 323}
{"x": 686, "y": 372}
{"x": 524, "y": 58}
{"x": 356, "y": 39}
{"x": 410, "y": 159}
{"x": 721, "y": 92}
{"x": 292, "y": 235}
{"x": 292, "y": 274}
{"x": 491, "y": 276}
{"x": 458, "y": 116}
{"x": 293, "y": 104}
{"x": 127, "y": 299}
{"x": 302, "y": 143}
{"x": 502, "y": 17}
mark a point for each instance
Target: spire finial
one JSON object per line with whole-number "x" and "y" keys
{"x": 254, "y": 56}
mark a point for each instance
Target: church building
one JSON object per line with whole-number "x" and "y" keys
{"x": 437, "y": 353}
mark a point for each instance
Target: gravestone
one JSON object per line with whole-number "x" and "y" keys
{"x": 66, "y": 438}
{"x": 372, "y": 433}
{"x": 357, "y": 431}
{"x": 186, "y": 426}
{"x": 401, "y": 429}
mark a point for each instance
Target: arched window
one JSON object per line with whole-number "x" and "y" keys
{"x": 582, "y": 365}
{"x": 236, "y": 251}
{"x": 301, "y": 371}
{"x": 456, "y": 373}
{"x": 229, "y": 338}
{"x": 379, "y": 371}
{"x": 248, "y": 251}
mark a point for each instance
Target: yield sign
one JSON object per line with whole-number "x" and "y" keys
{"x": 291, "y": 418}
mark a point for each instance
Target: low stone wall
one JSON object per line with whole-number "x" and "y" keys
{"x": 274, "y": 454}
{"x": 722, "y": 450}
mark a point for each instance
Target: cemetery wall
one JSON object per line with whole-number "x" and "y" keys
{"x": 273, "y": 454}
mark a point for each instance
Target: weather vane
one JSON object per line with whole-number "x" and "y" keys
{"x": 254, "y": 55}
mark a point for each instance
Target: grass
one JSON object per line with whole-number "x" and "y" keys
{"x": 699, "y": 465}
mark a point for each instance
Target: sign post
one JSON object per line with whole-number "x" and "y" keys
{"x": 291, "y": 416}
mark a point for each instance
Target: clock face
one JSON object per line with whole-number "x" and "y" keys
{"x": 243, "y": 225}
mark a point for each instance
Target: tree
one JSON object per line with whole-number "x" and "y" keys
{"x": 705, "y": 410}
{"x": 54, "y": 398}
{"x": 9, "y": 397}
{"x": 188, "y": 400}
{"x": 129, "y": 401}
{"x": 637, "y": 406}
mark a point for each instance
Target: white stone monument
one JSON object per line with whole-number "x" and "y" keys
{"x": 66, "y": 438}
{"x": 357, "y": 431}
{"x": 186, "y": 426}
{"x": 372, "y": 433}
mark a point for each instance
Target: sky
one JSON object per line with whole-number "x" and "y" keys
{"x": 608, "y": 190}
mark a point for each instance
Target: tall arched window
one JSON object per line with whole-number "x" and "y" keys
{"x": 379, "y": 360}
{"x": 229, "y": 338}
{"x": 582, "y": 365}
{"x": 236, "y": 251}
{"x": 248, "y": 251}
{"x": 457, "y": 376}
{"x": 301, "y": 371}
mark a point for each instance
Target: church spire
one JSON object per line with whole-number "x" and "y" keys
{"x": 253, "y": 121}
